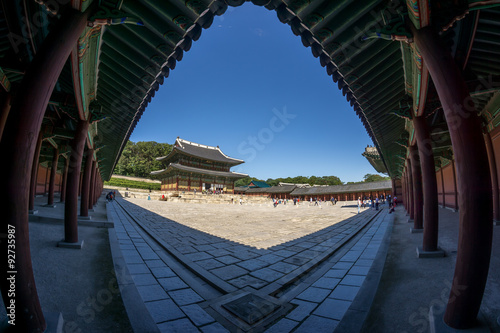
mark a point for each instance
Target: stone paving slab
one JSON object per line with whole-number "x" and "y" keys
{"x": 244, "y": 266}
{"x": 171, "y": 303}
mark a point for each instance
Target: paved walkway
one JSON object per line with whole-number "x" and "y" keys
{"x": 304, "y": 284}
{"x": 164, "y": 289}
{"x": 80, "y": 284}
{"x": 409, "y": 286}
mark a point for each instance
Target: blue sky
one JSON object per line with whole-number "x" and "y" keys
{"x": 251, "y": 87}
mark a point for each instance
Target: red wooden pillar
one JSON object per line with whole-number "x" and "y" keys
{"x": 92, "y": 186}
{"x": 75, "y": 165}
{"x": 64, "y": 180}
{"x": 430, "y": 218}
{"x": 411, "y": 202}
{"x": 97, "y": 184}
{"x": 53, "y": 172}
{"x": 442, "y": 186}
{"x": 87, "y": 175}
{"x": 17, "y": 145}
{"x": 494, "y": 175}
{"x": 34, "y": 172}
{"x": 45, "y": 182}
{"x": 80, "y": 183}
{"x": 405, "y": 180}
{"x": 407, "y": 186}
{"x": 403, "y": 188}
{"x": 416, "y": 176}
{"x": 474, "y": 182}
{"x": 4, "y": 112}
{"x": 407, "y": 200}
{"x": 455, "y": 189}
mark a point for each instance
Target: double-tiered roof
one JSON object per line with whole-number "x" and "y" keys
{"x": 192, "y": 149}
{"x": 197, "y": 151}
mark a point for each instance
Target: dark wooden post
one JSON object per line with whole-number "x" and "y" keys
{"x": 92, "y": 187}
{"x": 52, "y": 181}
{"x": 64, "y": 180}
{"x": 411, "y": 202}
{"x": 80, "y": 183}
{"x": 34, "y": 173}
{"x": 46, "y": 183}
{"x": 4, "y": 112}
{"x": 94, "y": 194}
{"x": 442, "y": 184}
{"x": 403, "y": 189}
{"x": 99, "y": 186}
{"x": 474, "y": 182}
{"x": 455, "y": 187}
{"x": 430, "y": 218}
{"x": 18, "y": 146}
{"x": 417, "y": 188}
{"x": 87, "y": 174}
{"x": 75, "y": 165}
{"x": 494, "y": 175}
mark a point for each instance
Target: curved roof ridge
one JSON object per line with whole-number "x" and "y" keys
{"x": 208, "y": 147}
{"x": 199, "y": 145}
{"x": 195, "y": 144}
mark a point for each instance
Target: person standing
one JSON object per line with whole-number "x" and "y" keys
{"x": 359, "y": 205}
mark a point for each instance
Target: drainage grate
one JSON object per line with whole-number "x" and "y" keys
{"x": 251, "y": 308}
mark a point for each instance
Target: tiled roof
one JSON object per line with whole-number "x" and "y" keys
{"x": 258, "y": 183}
{"x": 273, "y": 189}
{"x": 202, "y": 151}
{"x": 361, "y": 187}
{"x": 199, "y": 171}
{"x": 241, "y": 188}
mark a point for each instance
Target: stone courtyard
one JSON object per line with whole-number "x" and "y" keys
{"x": 250, "y": 267}
{"x": 256, "y": 225}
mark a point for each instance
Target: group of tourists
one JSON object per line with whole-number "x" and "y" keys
{"x": 374, "y": 203}
{"x": 296, "y": 201}
{"x": 110, "y": 196}
{"x": 211, "y": 192}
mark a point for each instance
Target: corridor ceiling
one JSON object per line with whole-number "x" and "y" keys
{"x": 130, "y": 46}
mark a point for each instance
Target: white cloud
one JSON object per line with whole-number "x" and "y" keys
{"x": 259, "y": 32}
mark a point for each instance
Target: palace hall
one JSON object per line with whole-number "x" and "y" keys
{"x": 194, "y": 167}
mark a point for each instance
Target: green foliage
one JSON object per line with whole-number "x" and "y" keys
{"x": 374, "y": 178}
{"x": 139, "y": 159}
{"x": 370, "y": 178}
{"x": 120, "y": 182}
{"x": 245, "y": 181}
{"x": 313, "y": 180}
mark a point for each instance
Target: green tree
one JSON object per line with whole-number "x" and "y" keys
{"x": 272, "y": 182}
{"x": 139, "y": 159}
{"x": 313, "y": 180}
{"x": 245, "y": 181}
{"x": 374, "y": 178}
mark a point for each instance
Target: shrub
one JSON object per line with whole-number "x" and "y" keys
{"x": 119, "y": 182}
